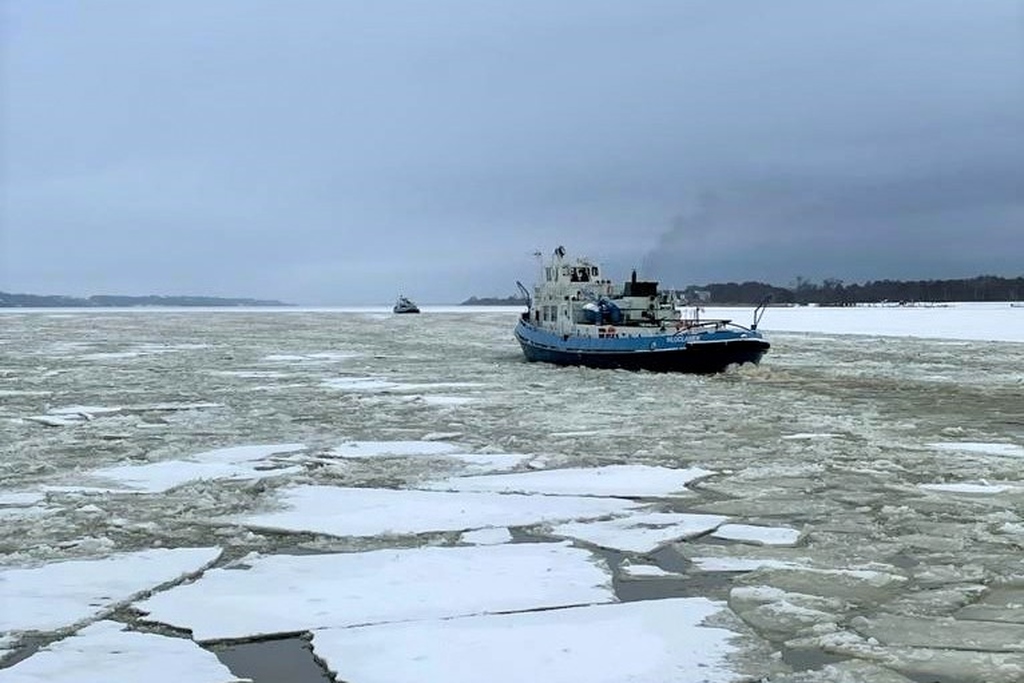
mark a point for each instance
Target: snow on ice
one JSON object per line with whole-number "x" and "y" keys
{"x": 757, "y": 535}
{"x": 237, "y": 462}
{"x": 655, "y": 640}
{"x": 340, "y": 511}
{"x": 262, "y": 595}
{"x": 59, "y": 595}
{"x": 641, "y": 533}
{"x": 629, "y": 481}
{"x": 105, "y": 651}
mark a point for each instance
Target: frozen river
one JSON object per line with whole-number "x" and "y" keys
{"x": 355, "y": 496}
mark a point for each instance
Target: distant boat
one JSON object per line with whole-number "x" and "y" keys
{"x": 576, "y": 316}
{"x": 405, "y": 305}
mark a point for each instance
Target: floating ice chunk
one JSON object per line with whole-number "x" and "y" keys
{"x": 283, "y": 594}
{"x": 490, "y": 462}
{"x": 1001, "y": 449}
{"x": 926, "y": 663}
{"x": 778, "y": 614}
{"x": 968, "y": 488}
{"x": 441, "y": 436}
{"x": 391, "y": 449}
{"x": 104, "y": 651}
{"x": 845, "y": 584}
{"x": 251, "y": 374}
{"x": 21, "y": 498}
{"x": 655, "y": 640}
{"x": 6, "y": 644}
{"x": 53, "y": 421}
{"x": 377, "y": 385}
{"x": 935, "y": 601}
{"x": 1004, "y": 604}
{"x": 809, "y": 436}
{"x": 61, "y": 594}
{"x": 613, "y": 480}
{"x": 311, "y": 358}
{"x": 238, "y": 462}
{"x": 645, "y": 571}
{"x": 342, "y": 511}
{"x": 758, "y": 535}
{"x": 487, "y": 536}
{"x": 78, "y": 413}
{"x": 642, "y": 533}
{"x": 945, "y": 633}
{"x": 849, "y": 671}
{"x": 741, "y": 564}
{"x": 447, "y": 400}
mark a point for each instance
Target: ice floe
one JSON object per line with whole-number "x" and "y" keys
{"x": 637, "y": 570}
{"x": 946, "y": 632}
{"x": 106, "y": 652}
{"x": 21, "y": 498}
{"x": 263, "y": 595}
{"x": 632, "y": 481}
{"x": 1001, "y": 449}
{"x": 847, "y": 671}
{"x": 923, "y": 663}
{"x": 379, "y": 385}
{"x": 968, "y": 488}
{"x": 236, "y": 462}
{"x": 642, "y": 533}
{"x": 66, "y": 416}
{"x": 340, "y": 511}
{"x": 658, "y": 640}
{"x": 1001, "y": 603}
{"x": 486, "y": 536}
{"x": 741, "y": 564}
{"x": 779, "y": 614}
{"x": 758, "y": 535}
{"x": 59, "y": 595}
{"x": 391, "y": 449}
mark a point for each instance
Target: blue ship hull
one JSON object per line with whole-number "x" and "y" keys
{"x": 705, "y": 352}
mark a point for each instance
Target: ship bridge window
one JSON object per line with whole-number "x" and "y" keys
{"x": 593, "y": 271}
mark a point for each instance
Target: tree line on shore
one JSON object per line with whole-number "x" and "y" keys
{"x": 8, "y": 300}
{"x": 833, "y": 292}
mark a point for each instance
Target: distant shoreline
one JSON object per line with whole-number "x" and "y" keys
{"x": 8, "y": 300}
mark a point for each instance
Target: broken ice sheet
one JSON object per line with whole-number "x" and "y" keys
{"x": 945, "y": 632}
{"x": 845, "y": 584}
{"x": 60, "y": 594}
{"x": 742, "y": 558}
{"x": 265, "y": 595}
{"x": 236, "y": 462}
{"x": 758, "y": 535}
{"x": 923, "y": 663}
{"x": 778, "y": 615}
{"x": 480, "y": 462}
{"x": 651, "y": 640}
{"x": 105, "y": 651}
{"x": 1001, "y": 603}
{"x": 848, "y": 671}
{"x": 642, "y": 533}
{"x": 631, "y": 481}
{"x": 365, "y": 512}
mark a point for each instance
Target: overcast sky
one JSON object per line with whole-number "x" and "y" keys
{"x": 343, "y": 151}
